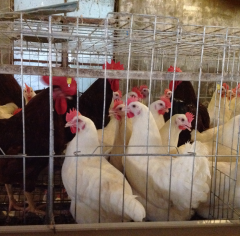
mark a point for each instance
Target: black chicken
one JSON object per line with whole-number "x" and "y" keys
{"x": 37, "y": 131}
{"x": 185, "y": 100}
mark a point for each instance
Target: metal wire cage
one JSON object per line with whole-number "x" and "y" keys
{"x": 147, "y": 46}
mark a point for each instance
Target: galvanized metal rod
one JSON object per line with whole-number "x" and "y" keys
{"x": 23, "y": 119}
{"x": 76, "y": 157}
{"x": 219, "y": 105}
{"x": 103, "y": 123}
{"x": 125, "y": 117}
{"x": 51, "y": 132}
{"x": 196, "y": 117}
{"x": 170, "y": 122}
{"x": 236, "y": 169}
{"x": 149, "y": 97}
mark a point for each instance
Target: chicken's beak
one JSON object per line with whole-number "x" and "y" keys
{"x": 111, "y": 113}
{"x": 188, "y": 126}
{"x": 68, "y": 124}
{"x": 125, "y": 109}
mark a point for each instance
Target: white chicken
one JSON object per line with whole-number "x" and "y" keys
{"x": 28, "y": 93}
{"x": 116, "y": 96}
{"x": 168, "y": 93}
{"x": 118, "y": 147}
{"x": 213, "y": 107}
{"x": 225, "y": 192}
{"x": 86, "y": 178}
{"x": 135, "y": 93}
{"x": 158, "y": 108}
{"x": 179, "y": 122}
{"x": 227, "y": 135}
{"x": 227, "y": 140}
{"x": 111, "y": 131}
{"x": 150, "y": 175}
{"x": 235, "y": 102}
{"x": 145, "y": 94}
{"x": 7, "y": 110}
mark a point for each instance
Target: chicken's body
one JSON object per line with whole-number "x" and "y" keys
{"x": 158, "y": 170}
{"x": 227, "y": 134}
{"x": 10, "y": 90}
{"x": 90, "y": 178}
{"x": 111, "y": 131}
{"x": 226, "y": 192}
{"x": 123, "y": 133}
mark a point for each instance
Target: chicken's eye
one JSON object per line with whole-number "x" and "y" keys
{"x": 182, "y": 119}
{"x": 120, "y": 108}
{"x": 134, "y": 106}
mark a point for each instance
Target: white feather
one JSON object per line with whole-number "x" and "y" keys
{"x": 86, "y": 194}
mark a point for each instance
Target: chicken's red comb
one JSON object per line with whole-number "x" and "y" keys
{"x": 225, "y": 86}
{"x": 142, "y": 87}
{"x": 120, "y": 93}
{"x": 189, "y": 116}
{"x": 176, "y": 83}
{"x": 166, "y": 91}
{"x": 116, "y": 103}
{"x": 72, "y": 113}
{"x": 131, "y": 100}
{"x": 67, "y": 85}
{"x": 113, "y": 66}
{"x": 166, "y": 101}
{"x": 27, "y": 87}
{"x": 171, "y": 69}
{"x": 137, "y": 91}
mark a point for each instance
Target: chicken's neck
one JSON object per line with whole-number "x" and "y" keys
{"x": 175, "y": 131}
{"x": 85, "y": 141}
{"x": 110, "y": 131}
{"x": 144, "y": 135}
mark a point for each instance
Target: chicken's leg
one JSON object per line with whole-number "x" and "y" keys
{"x": 12, "y": 202}
{"x": 31, "y": 205}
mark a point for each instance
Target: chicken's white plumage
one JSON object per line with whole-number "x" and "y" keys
{"x": 160, "y": 170}
{"x": 225, "y": 191}
{"x": 91, "y": 179}
{"x": 213, "y": 107}
{"x": 7, "y": 110}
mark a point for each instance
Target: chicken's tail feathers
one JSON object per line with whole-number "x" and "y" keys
{"x": 133, "y": 209}
{"x": 127, "y": 205}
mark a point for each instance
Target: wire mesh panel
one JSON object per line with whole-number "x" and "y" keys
{"x": 166, "y": 150}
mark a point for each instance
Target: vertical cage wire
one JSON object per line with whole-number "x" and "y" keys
{"x": 51, "y": 133}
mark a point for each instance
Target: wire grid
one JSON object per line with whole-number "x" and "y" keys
{"x": 129, "y": 39}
